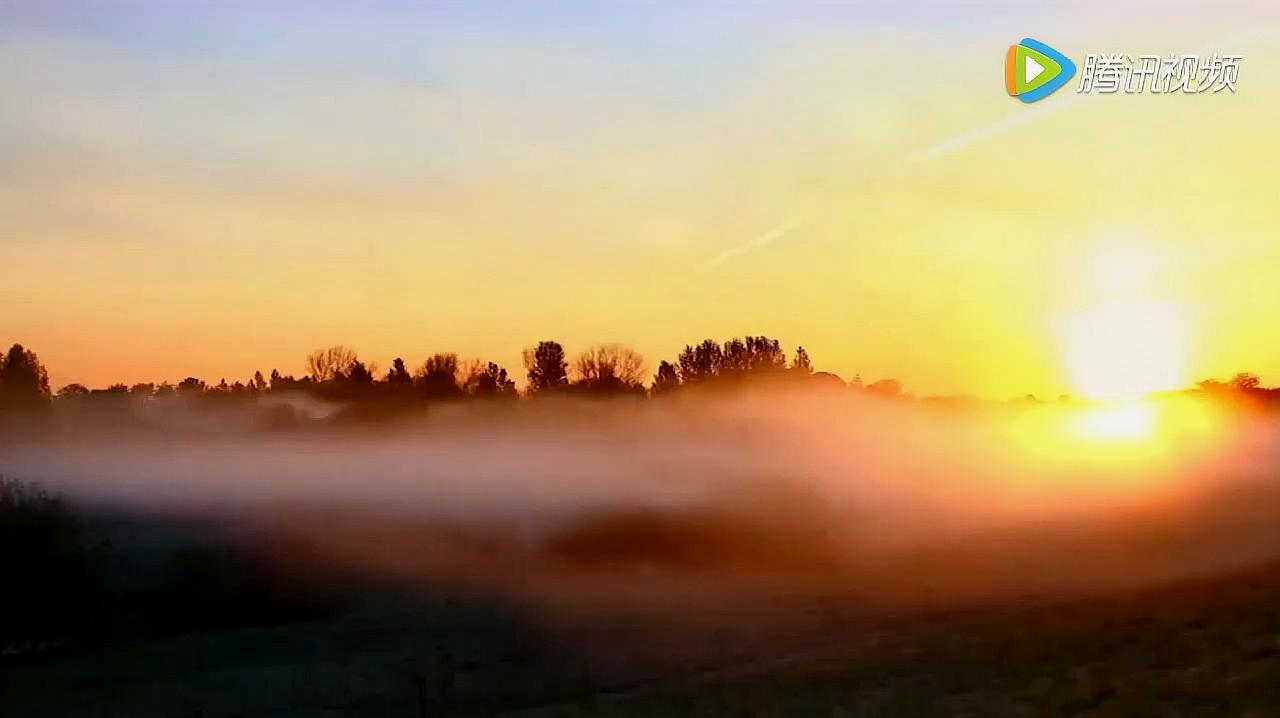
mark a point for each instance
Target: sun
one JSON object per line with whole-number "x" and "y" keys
{"x": 1125, "y": 350}
{"x": 1123, "y": 343}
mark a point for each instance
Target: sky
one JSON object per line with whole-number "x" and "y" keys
{"x": 209, "y": 189}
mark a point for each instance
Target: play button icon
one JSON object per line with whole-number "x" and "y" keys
{"x": 1033, "y": 70}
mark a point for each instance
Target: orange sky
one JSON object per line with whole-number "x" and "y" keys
{"x": 191, "y": 195}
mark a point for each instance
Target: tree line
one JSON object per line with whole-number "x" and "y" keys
{"x": 337, "y": 372}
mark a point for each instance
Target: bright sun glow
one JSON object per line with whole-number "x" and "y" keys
{"x": 1120, "y": 422}
{"x": 1157, "y": 433}
{"x": 1123, "y": 344}
{"x": 1125, "y": 350}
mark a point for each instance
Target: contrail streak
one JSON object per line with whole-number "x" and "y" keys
{"x": 758, "y": 242}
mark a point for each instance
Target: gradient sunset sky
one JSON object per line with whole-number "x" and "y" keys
{"x": 209, "y": 189}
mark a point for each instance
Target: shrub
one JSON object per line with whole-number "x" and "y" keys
{"x": 54, "y": 569}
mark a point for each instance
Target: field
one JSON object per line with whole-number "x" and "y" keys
{"x": 1196, "y": 647}
{"x": 648, "y": 560}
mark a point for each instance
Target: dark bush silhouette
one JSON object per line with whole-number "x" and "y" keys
{"x": 73, "y": 391}
{"x": 54, "y": 570}
{"x": 666, "y": 380}
{"x": 800, "y": 363}
{"x": 398, "y": 375}
{"x": 491, "y": 382}
{"x": 609, "y": 369}
{"x": 438, "y": 377}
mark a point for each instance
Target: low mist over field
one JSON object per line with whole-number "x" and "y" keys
{"x": 891, "y": 500}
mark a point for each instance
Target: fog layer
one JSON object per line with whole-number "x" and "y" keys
{"x": 892, "y": 501}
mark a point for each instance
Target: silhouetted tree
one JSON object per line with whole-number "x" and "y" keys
{"x": 438, "y": 377}
{"x": 609, "y": 369}
{"x": 701, "y": 362}
{"x": 801, "y": 363}
{"x": 490, "y": 382}
{"x": 763, "y": 354}
{"x": 73, "y": 391}
{"x": 666, "y": 380}
{"x": 326, "y": 365}
{"x": 281, "y": 382}
{"x": 357, "y": 374}
{"x": 1242, "y": 383}
{"x": 1245, "y": 382}
{"x": 191, "y": 386}
{"x": 24, "y": 382}
{"x": 398, "y": 375}
{"x": 143, "y": 389}
{"x": 259, "y": 383}
{"x": 737, "y": 358}
{"x": 547, "y": 367}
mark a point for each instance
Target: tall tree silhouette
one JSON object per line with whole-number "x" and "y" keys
{"x": 546, "y": 366}
{"x": 24, "y": 382}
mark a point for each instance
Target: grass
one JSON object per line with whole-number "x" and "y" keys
{"x": 1198, "y": 648}
{"x": 217, "y": 630}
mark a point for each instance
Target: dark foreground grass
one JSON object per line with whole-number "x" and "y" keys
{"x": 1195, "y": 648}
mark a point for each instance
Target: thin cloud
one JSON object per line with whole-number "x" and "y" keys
{"x": 754, "y": 244}
{"x": 1023, "y": 117}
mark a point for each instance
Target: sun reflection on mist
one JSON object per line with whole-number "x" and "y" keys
{"x": 1127, "y": 421}
{"x": 1151, "y": 433}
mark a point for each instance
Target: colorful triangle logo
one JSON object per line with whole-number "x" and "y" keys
{"x": 1033, "y": 70}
